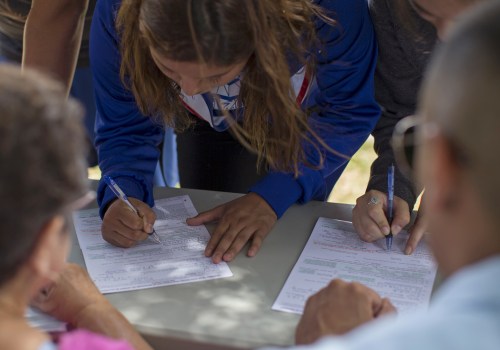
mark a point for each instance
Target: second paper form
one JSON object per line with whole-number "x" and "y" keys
{"x": 178, "y": 259}
{"x": 334, "y": 250}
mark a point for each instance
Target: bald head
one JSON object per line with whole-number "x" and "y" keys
{"x": 462, "y": 95}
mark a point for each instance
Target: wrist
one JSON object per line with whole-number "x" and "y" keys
{"x": 93, "y": 314}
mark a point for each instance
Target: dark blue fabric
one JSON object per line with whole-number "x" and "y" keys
{"x": 345, "y": 111}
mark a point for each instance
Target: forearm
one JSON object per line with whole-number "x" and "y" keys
{"x": 52, "y": 37}
{"x": 404, "y": 187}
{"x": 106, "y": 320}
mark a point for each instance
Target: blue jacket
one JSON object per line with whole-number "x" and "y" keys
{"x": 342, "y": 100}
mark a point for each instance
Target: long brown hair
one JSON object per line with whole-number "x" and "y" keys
{"x": 221, "y": 33}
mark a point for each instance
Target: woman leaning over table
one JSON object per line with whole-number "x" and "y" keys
{"x": 302, "y": 70}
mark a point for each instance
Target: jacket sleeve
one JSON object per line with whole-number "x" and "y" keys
{"x": 344, "y": 107}
{"x": 127, "y": 142}
{"x": 402, "y": 60}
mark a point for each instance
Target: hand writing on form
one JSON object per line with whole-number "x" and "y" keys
{"x": 122, "y": 227}
{"x": 371, "y": 223}
{"x": 248, "y": 218}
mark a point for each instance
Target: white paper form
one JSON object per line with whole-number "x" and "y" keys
{"x": 178, "y": 259}
{"x": 334, "y": 250}
{"x": 43, "y": 321}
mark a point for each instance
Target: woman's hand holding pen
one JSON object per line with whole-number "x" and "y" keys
{"x": 122, "y": 227}
{"x": 370, "y": 221}
{"x": 239, "y": 221}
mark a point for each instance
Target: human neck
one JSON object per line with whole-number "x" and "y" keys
{"x": 476, "y": 240}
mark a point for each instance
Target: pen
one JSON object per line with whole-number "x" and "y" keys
{"x": 390, "y": 203}
{"x": 123, "y": 197}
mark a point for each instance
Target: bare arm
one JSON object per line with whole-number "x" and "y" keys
{"x": 53, "y": 35}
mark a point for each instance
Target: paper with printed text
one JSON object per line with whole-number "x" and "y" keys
{"x": 178, "y": 259}
{"x": 334, "y": 250}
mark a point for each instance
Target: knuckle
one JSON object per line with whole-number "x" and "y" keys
{"x": 366, "y": 237}
{"x": 224, "y": 244}
{"x": 355, "y": 288}
{"x": 373, "y": 211}
{"x": 359, "y": 201}
{"x": 129, "y": 243}
{"x": 241, "y": 239}
{"x": 336, "y": 283}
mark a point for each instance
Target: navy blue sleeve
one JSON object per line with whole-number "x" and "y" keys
{"x": 345, "y": 110}
{"x": 127, "y": 142}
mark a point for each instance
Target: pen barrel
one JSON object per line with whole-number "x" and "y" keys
{"x": 390, "y": 193}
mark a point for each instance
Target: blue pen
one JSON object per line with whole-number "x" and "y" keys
{"x": 390, "y": 203}
{"x": 122, "y": 196}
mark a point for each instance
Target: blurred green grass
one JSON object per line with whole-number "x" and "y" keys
{"x": 351, "y": 184}
{"x": 353, "y": 181}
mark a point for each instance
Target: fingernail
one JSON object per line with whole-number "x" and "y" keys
{"x": 386, "y": 230}
{"x": 396, "y": 229}
{"x": 228, "y": 257}
{"x": 149, "y": 228}
{"x": 408, "y": 251}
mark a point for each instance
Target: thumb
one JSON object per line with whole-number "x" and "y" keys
{"x": 147, "y": 215}
{"x": 401, "y": 215}
{"x": 206, "y": 217}
{"x": 416, "y": 233}
{"x": 386, "y": 308}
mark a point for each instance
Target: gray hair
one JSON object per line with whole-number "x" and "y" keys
{"x": 43, "y": 167}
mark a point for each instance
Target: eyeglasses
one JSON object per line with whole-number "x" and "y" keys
{"x": 80, "y": 202}
{"x": 403, "y": 144}
{"x": 408, "y": 136}
{"x": 77, "y": 204}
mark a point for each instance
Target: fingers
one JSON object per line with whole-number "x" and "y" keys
{"x": 122, "y": 226}
{"x": 368, "y": 216}
{"x": 69, "y": 294}
{"x": 337, "y": 309}
{"x": 148, "y": 216}
{"x": 257, "y": 240}
{"x": 401, "y": 215}
{"x": 227, "y": 241}
{"x": 253, "y": 234}
{"x": 206, "y": 217}
{"x": 241, "y": 220}
{"x": 386, "y": 308}
{"x": 214, "y": 241}
{"x": 416, "y": 233}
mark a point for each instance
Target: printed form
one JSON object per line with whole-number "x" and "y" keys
{"x": 178, "y": 259}
{"x": 41, "y": 320}
{"x": 334, "y": 250}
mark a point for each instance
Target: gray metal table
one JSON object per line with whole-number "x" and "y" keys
{"x": 229, "y": 313}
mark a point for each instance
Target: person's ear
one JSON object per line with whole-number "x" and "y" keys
{"x": 47, "y": 258}
{"x": 446, "y": 174}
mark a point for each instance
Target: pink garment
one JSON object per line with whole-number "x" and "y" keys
{"x": 85, "y": 340}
